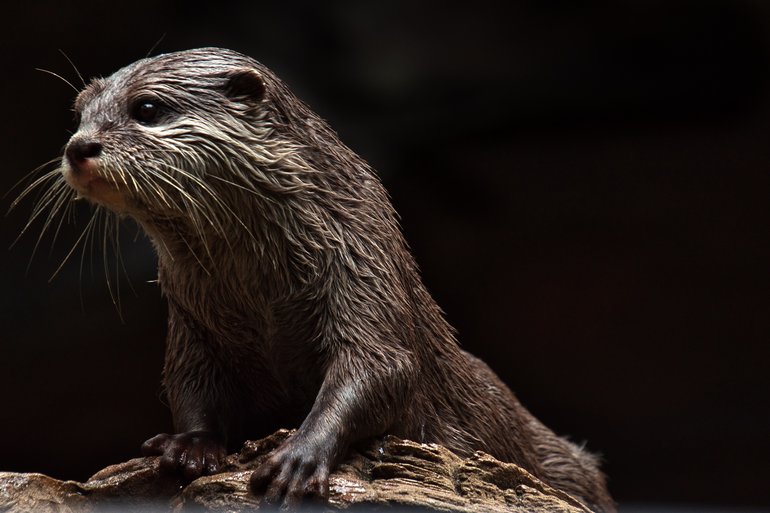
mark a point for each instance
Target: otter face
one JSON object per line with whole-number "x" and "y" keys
{"x": 150, "y": 136}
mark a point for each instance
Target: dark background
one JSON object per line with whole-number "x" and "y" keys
{"x": 585, "y": 185}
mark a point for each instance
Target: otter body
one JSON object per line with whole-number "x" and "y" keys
{"x": 293, "y": 297}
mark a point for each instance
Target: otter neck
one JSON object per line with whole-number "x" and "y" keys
{"x": 210, "y": 252}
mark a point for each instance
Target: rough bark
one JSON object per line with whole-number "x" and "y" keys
{"x": 388, "y": 474}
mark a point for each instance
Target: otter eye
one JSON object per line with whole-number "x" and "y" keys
{"x": 146, "y": 111}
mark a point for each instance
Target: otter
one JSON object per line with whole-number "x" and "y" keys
{"x": 293, "y": 297}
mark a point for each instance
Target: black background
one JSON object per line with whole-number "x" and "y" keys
{"x": 586, "y": 186}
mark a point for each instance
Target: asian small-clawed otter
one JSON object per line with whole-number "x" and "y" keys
{"x": 293, "y": 297}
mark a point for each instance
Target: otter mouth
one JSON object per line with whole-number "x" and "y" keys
{"x": 93, "y": 186}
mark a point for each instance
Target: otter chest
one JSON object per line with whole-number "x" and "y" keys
{"x": 224, "y": 305}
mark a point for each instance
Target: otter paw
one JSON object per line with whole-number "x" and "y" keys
{"x": 290, "y": 475}
{"x": 190, "y": 454}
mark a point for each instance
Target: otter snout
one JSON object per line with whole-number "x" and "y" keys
{"x": 83, "y": 172}
{"x": 81, "y": 166}
{"x": 79, "y": 151}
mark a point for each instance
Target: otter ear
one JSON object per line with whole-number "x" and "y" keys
{"x": 245, "y": 84}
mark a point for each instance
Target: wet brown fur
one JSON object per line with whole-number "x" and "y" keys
{"x": 293, "y": 296}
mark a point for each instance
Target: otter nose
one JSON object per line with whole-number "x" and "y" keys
{"x": 79, "y": 151}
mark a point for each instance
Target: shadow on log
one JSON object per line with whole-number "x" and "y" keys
{"x": 388, "y": 474}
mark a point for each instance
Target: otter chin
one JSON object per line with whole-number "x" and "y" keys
{"x": 97, "y": 189}
{"x": 293, "y": 298}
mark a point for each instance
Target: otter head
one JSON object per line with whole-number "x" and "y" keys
{"x": 154, "y": 138}
{"x": 208, "y": 146}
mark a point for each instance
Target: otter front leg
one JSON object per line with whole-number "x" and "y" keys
{"x": 199, "y": 445}
{"x": 359, "y": 398}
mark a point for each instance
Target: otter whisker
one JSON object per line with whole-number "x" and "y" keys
{"x": 207, "y": 189}
{"x": 195, "y": 207}
{"x": 43, "y": 201}
{"x": 50, "y": 197}
{"x": 107, "y": 232}
{"x": 92, "y": 239}
{"x": 114, "y": 173}
{"x": 168, "y": 250}
{"x": 174, "y": 184}
{"x": 218, "y": 201}
{"x": 102, "y": 228}
{"x": 45, "y": 196}
{"x": 198, "y": 218}
{"x": 125, "y": 173}
{"x": 56, "y": 201}
{"x": 61, "y": 202}
{"x": 119, "y": 257}
{"x": 63, "y": 217}
{"x": 152, "y": 48}
{"x": 157, "y": 190}
{"x": 193, "y": 253}
{"x": 74, "y": 246}
{"x": 80, "y": 270}
{"x": 88, "y": 243}
{"x": 28, "y": 175}
{"x": 242, "y": 187}
{"x": 60, "y": 78}
{"x": 77, "y": 72}
{"x": 34, "y": 185}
